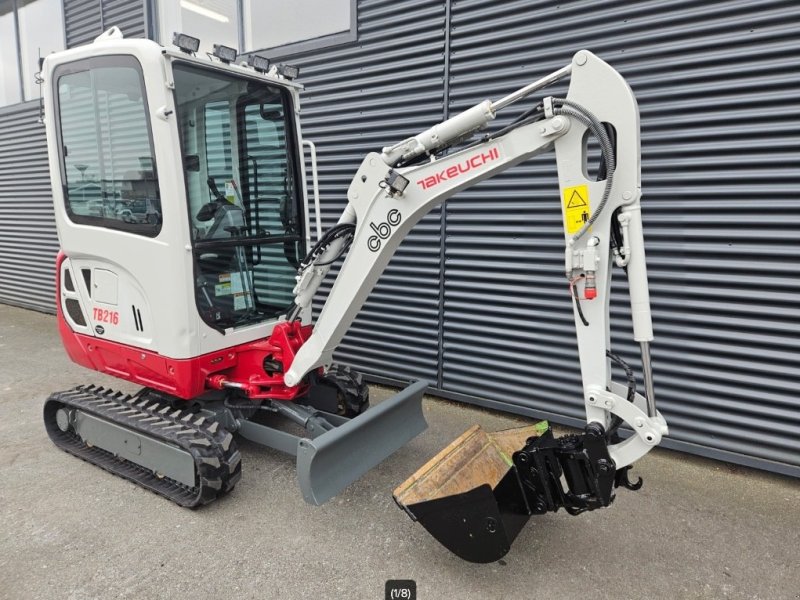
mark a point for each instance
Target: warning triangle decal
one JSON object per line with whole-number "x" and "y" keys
{"x": 576, "y": 200}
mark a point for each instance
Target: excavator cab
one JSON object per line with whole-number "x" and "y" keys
{"x": 183, "y": 215}
{"x": 239, "y": 161}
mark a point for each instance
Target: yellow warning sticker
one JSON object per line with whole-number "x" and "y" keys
{"x": 576, "y": 207}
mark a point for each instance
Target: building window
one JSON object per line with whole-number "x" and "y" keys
{"x": 213, "y": 21}
{"x": 282, "y": 27}
{"x": 288, "y": 27}
{"x": 108, "y": 169}
{"x": 28, "y": 29}
{"x": 10, "y": 85}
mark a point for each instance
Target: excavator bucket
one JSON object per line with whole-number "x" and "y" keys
{"x": 329, "y": 462}
{"x": 469, "y": 496}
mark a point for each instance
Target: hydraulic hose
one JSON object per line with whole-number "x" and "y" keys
{"x": 584, "y": 116}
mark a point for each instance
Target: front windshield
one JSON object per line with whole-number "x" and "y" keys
{"x": 244, "y": 208}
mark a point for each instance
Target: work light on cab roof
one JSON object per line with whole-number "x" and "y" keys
{"x": 258, "y": 62}
{"x": 225, "y": 53}
{"x": 288, "y": 71}
{"x": 186, "y": 43}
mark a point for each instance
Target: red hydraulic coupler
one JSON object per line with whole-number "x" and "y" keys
{"x": 590, "y": 286}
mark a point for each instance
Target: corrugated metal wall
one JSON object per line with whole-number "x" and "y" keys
{"x": 475, "y": 300}
{"x": 720, "y": 149}
{"x": 28, "y": 243}
{"x": 86, "y": 19}
{"x": 720, "y": 152}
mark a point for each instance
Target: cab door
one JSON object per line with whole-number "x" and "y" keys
{"x": 121, "y": 264}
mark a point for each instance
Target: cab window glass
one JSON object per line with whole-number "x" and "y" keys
{"x": 109, "y": 172}
{"x": 219, "y": 156}
{"x": 244, "y": 205}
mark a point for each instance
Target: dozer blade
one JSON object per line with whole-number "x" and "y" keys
{"x": 468, "y": 496}
{"x": 330, "y": 462}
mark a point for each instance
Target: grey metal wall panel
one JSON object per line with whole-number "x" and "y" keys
{"x": 128, "y": 15}
{"x": 720, "y": 149}
{"x": 28, "y": 242}
{"x": 721, "y": 144}
{"x": 360, "y": 97}
{"x": 84, "y": 20}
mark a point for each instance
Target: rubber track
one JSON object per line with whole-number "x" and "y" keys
{"x": 216, "y": 457}
{"x": 350, "y": 383}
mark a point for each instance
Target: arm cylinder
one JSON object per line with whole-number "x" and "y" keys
{"x": 637, "y": 278}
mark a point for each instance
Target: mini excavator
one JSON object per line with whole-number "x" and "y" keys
{"x": 187, "y": 267}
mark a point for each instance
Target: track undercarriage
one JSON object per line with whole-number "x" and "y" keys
{"x": 179, "y": 454}
{"x": 186, "y": 451}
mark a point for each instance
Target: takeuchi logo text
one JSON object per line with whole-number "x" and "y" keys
{"x": 465, "y": 166}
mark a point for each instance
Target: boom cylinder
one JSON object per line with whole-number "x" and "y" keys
{"x": 465, "y": 123}
{"x": 442, "y": 134}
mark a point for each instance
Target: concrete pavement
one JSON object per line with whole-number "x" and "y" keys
{"x": 697, "y": 529}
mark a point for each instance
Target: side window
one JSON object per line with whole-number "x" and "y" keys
{"x": 109, "y": 173}
{"x": 219, "y": 159}
{"x": 270, "y": 182}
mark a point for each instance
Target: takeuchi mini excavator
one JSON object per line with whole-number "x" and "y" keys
{"x": 188, "y": 267}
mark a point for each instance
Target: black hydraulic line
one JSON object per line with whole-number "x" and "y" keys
{"x": 584, "y": 116}
{"x": 341, "y": 230}
{"x": 617, "y": 243}
{"x": 617, "y": 421}
{"x": 531, "y": 116}
{"x": 628, "y": 374}
{"x": 578, "y": 304}
{"x": 616, "y": 233}
{"x": 602, "y": 171}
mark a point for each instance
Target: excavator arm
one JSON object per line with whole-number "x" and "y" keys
{"x": 385, "y": 201}
{"x": 393, "y": 190}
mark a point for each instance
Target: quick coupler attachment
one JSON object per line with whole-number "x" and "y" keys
{"x": 476, "y": 495}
